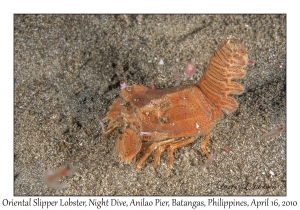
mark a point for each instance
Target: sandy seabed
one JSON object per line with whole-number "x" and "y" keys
{"x": 67, "y": 72}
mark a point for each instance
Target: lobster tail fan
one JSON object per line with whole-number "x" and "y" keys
{"x": 226, "y": 66}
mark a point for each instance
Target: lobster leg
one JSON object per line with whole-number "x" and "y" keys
{"x": 157, "y": 154}
{"x": 171, "y": 147}
{"x": 177, "y": 145}
{"x": 148, "y": 152}
{"x": 203, "y": 145}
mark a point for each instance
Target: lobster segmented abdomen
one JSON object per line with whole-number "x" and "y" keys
{"x": 218, "y": 83}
